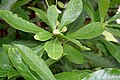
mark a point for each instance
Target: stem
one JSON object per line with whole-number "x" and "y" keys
{"x": 56, "y": 2}
{"x": 47, "y": 3}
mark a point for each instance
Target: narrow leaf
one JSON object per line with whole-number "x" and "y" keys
{"x": 77, "y": 23}
{"x": 38, "y": 50}
{"x": 89, "y": 31}
{"x": 19, "y": 23}
{"x": 89, "y": 9}
{"x": 105, "y": 74}
{"x": 109, "y": 37}
{"x": 54, "y": 49}
{"x": 36, "y": 63}
{"x": 73, "y": 54}
{"x": 113, "y": 49}
{"x": 114, "y": 25}
{"x": 103, "y": 8}
{"x": 114, "y": 31}
{"x": 52, "y": 15}
{"x": 115, "y": 17}
{"x": 7, "y": 4}
{"x": 79, "y": 44}
{"x": 41, "y": 14}
{"x": 19, "y": 65}
{"x": 73, "y": 10}
{"x": 67, "y": 76}
{"x": 98, "y": 60}
{"x": 20, "y": 3}
{"x": 43, "y": 36}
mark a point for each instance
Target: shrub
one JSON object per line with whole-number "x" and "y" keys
{"x": 79, "y": 43}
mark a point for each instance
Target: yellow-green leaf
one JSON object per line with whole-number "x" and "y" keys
{"x": 89, "y": 31}
{"x": 54, "y": 49}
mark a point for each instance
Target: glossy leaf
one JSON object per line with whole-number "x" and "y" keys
{"x": 71, "y": 13}
{"x": 73, "y": 54}
{"x": 89, "y": 31}
{"x": 103, "y": 8}
{"x": 83, "y": 74}
{"x": 50, "y": 61}
{"x": 89, "y": 9}
{"x": 113, "y": 2}
{"x": 105, "y": 74}
{"x": 4, "y": 60}
{"x": 67, "y": 76}
{"x": 20, "y": 3}
{"x": 109, "y": 37}
{"x": 38, "y": 50}
{"x": 114, "y": 26}
{"x": 43, "y": 36}
{"x": 36, "y": 63}
{"x": 41, "y": 14}
{"x": 7, "y": 70}
{"x": 113, "y": 49}
{"x": 54, "y": 49}
{"x": 20, "y": 24}
{"x": 6, "y": 39}
{"x": 77, "y": 23}
{"x": 7, "y": 4}
{"x": 79, "y": 44}
{"x": 52, "y": 15}
{"x": 28, "y": 43}
{"x": 19, "y": 65}
{"x": 98, "y": 60}
{"x": 115, "y": 17}
{"x": 114, "y": 31}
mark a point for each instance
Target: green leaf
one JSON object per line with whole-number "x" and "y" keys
{"x": 98, "y": 60}
{"x": 115, "y": 17}
{"x": 52, "y": 15}
{"x": 105, "y": 74}
{"x": 41, "y": 14}
{"x": 109, "y": 37}
{"x": 22, "y": 13}
{"x": 12, "y": 72}
{"x": 67, "y": 76}
{"x": 103, "y": 8}
{"x": 19, "y": 3}
{"x": 113, "y": 49}
{"x": 54, "y": 49}
{"x": 77, "y": 23}
{"x": 73, "y": 54}
{"x": 7, "y": 4}
{"x": 36, "y": 63}
{"x": 3, "y": 72}
{"x": 89, "y": 31}
{"x": 50, "y": 61}
{"x": 89, "y": 9}
{"x": 5, "y": 68}
{"x": 19, "y": 65}
{"x": 114, "y": 26}
{"x": 19, "y": 23}
{"x": 43, "y": 36}
{"x": 29, "y": 43}
{"x": 38, "y": 50}
{"x": 83, "y": 74}
{"x": 4, "y": 58}
{"x": 114, "y": 31}
{"x": 79, "y": 44}
{"x": 113, "y": 2}
{"x": 6, "y": 39}
{"x": 73, "y": 10}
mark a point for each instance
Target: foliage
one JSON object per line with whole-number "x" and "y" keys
{"x": 59, "y": 40}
